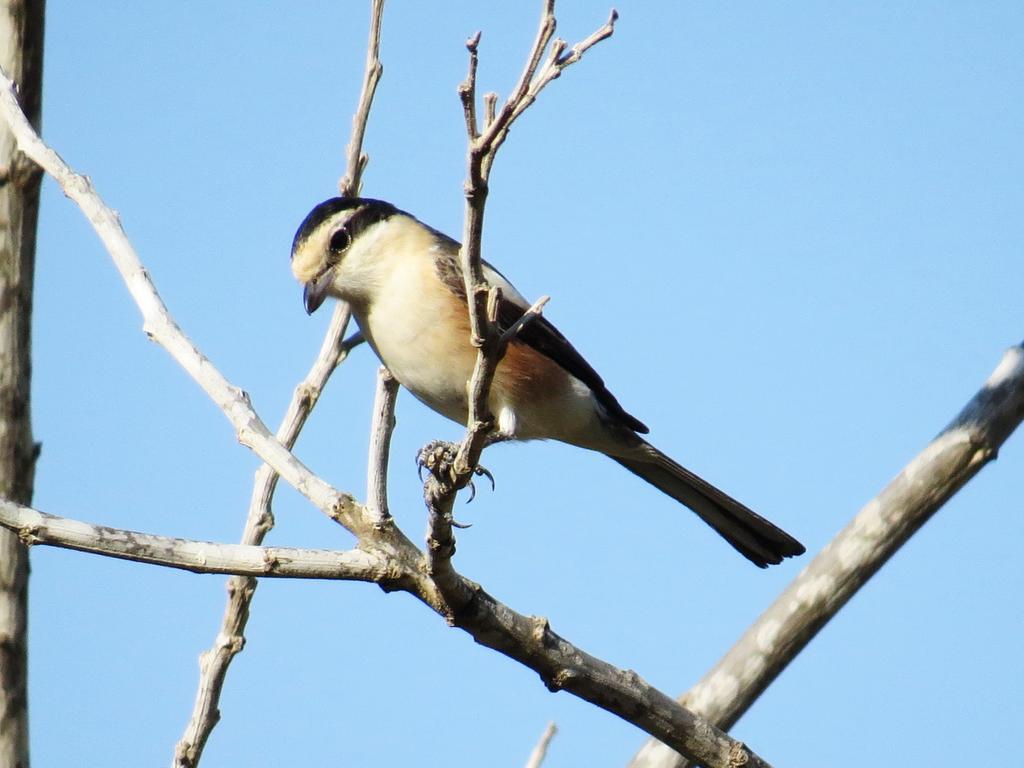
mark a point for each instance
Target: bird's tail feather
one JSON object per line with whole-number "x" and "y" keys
{"x": 755, "y": 538}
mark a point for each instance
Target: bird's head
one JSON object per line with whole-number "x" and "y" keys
{"x": 337, "y": 248}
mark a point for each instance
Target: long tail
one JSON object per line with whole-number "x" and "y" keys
{"x": 758, "y": 540}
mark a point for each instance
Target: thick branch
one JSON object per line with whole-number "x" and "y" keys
{"x": 563, "y": 666}
{"x": 35, "y": 527}
{"x": 884, "y": 524}
{"x": 21, "y": 54}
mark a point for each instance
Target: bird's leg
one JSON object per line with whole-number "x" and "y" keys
{"x": 495, "y": 437}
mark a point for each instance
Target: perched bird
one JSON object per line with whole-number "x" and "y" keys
{"x": 404, "y": 284}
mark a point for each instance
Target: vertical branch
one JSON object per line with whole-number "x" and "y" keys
{"x": 352, "y": 182}
{"x": 483, "y": 149}
{"x": 21, "y": 55}
{"x": 380, "y": 447}
{"x": 482, "y": 298}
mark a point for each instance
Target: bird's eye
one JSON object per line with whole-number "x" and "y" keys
{"x": 340, "y": 240}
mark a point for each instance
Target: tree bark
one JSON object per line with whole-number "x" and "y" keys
{"x": 21, "y": 56}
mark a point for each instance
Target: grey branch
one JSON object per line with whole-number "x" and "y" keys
{"x": 382, "y": 426}
{"x": 530, "y": 641}
{"x": 21, "y": 54}
{"x": 541, "y": 750}
{"x": 464, "y": 604}
{"x": 214, "y": 662}
{"x": 352, "y": 182}
{"x": 35, "y": 527}
{"x": 874, "y": 535}
{"x": 482, "y": 298}
{"x": 159, "y": 326}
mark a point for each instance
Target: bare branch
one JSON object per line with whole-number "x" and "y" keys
{"x": 482, "y": 151}
{"x": 35, "y": 527}
{"x": 541, "y": 750}
{"x": 352, "y": 182}
{"x": 380, "y": 446}
{"x": 467, "y": 89}
{"x": 229, "y": 641}
{"x": 846, "y": 563}
{"x": 21, "y": 54}
{"x": 528, "y": 317}
{"x": 160, "y": 327}
{"x": 544, "y": 34}
{"x": 566, "y": 667}
{"x": 528, "y": 640}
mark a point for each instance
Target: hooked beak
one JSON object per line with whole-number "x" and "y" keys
{"x": 316, "y": 291}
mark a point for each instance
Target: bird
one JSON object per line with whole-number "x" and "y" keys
{"x": 403, "y": 282}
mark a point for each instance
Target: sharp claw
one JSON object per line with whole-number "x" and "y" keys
{"x": 484, "y": 472}
{"x": 472, "y": 492}
{"x": 461, "y": 526}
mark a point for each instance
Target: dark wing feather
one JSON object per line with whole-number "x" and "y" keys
{"x": 542, "y": 336}
{"x": 538, "y": 333}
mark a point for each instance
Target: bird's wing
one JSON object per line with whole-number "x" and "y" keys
{"x": 543, "y": 336}
{"x": 539, "y": 334}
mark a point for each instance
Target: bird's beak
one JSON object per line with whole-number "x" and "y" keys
{"x": 316, "y": 291}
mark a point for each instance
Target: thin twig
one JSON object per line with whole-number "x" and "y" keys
{"x": 541, "y": 750}
{"x": 479, "y": 295}
{"x": 467, "y": 89}
{"x": 847, "y": 562}
{"x": 380, "y": 446}
{"x": 230, "y": 640}
{"x": 528, "y": 317}
{"x": 352, "y": 182}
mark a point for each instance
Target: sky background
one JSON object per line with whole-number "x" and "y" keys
{"x": 788, "y": 235}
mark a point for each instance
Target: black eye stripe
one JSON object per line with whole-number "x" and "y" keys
{"x": 365, "y": 212}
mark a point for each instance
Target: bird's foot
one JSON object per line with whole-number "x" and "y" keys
{"x": 438, "y": 457}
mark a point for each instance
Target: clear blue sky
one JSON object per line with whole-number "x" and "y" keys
{"x": 788, "y": 235}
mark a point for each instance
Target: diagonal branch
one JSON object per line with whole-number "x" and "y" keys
{"x": 230, "y": 639}
{"x": 540, "y": 751}
{"x": 352, "y": 182}
{"x": 160, "y": 327}
{"x": 528, "y": 640}
{"x": 846, "y": 563}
